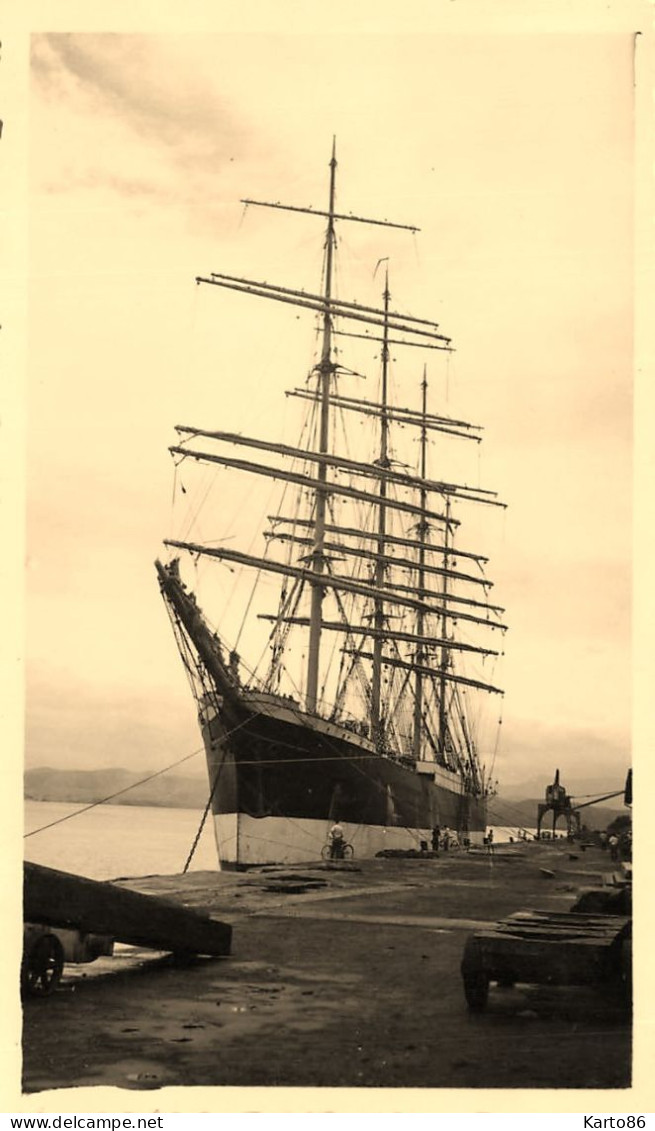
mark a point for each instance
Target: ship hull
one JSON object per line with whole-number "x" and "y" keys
{"x": 280, "y": 777}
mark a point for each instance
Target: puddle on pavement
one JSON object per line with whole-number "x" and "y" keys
{"x": 228, "y": 1009}
{"x": 134, "y": 1074}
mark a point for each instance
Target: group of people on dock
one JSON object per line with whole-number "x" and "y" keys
{"x": 620, "y": 847}
{"x": 444, "y": 839}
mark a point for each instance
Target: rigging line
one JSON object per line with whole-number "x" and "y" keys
{"x": 254, "y": 671}
{"x": 119, "y": 793}
{"x": 174, "y": 492}
{"x": 579, "y": 796}
{"x": 507, "y": 823}
{"x": 393, "y": 707}
{"x": 508, "y": 819}
{"x": 365, "y": 687}
{"x": 496, "y": 744}
{"x": 276, "y": 811}
{"x": 330, "y": 659}
{"x": 400, "y": 707}
{"x": 417, "y": 255}
{"x": 246, "y": 611}
{"x": 252, "y": 674}
{"x": 287, "y": 488}
{"x": 279, "y": 634}
{"x": 195, "y": 675}
{"x": 257, "y": 526}
{"x": 204, "y": 816}
{"x": 197, "y": 506}
{"x": 339, "y": 683}
{"x": 354, "y": 759}
{"x": 507, "y": 809}
{"x": 411, "y": 831}
{"x": 211, "y": 797}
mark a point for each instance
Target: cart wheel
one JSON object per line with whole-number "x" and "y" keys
{"x": 42, "y": 967}
{"x": 348, "y": 852}
{"x": 474, "y": 976}
{"x": 325, "y": 852}
{"x": 476, "y": 991}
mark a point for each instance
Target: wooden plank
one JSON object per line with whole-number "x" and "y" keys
{"x": 61, "y": 899}
{"x": 613, "y": 929}
{"x": 508, "y": 940}
{"x": 551, "y": 947}
{"x": 559, "y": 934}
{"x": 542, "y": 961}
{"x": 568, "y": 917}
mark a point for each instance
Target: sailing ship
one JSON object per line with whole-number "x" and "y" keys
{"x": 370, "y": 719}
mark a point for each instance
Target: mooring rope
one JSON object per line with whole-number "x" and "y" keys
{"x": 111, "y": 796}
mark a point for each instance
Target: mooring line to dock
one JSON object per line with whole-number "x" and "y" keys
{"x": 118, "y": 793}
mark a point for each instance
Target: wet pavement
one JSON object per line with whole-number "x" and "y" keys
{"x": 343, "y": 976}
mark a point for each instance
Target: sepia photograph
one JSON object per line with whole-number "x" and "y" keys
{"x": 329, "y": 521}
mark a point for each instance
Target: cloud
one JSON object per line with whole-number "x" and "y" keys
{"x": 587, "y": 758}
{"x": 530, "y": 236}
{"x": 133, "y": 107}
{"x": 84, "y": 727}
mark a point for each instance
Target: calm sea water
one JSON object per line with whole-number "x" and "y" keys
{"x": 126, "y": 840}
{"x": 117, "y": 840}
{"x": 504, "y": 833}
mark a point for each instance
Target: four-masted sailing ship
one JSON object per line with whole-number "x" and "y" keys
{"x": 375, "y": 726}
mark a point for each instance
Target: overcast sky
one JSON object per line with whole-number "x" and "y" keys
{"x": 514, "y": 154}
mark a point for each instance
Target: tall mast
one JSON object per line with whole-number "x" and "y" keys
{"x": 422, "y": 531}
{"x": 377, "y": 727}
{"x": 325, "y": 369}
{"x": 443, "y": 664}
{"x": 415, "y": 331}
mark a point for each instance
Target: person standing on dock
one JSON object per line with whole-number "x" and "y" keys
{"x": 337, "y": 841}
{"x": 436, "y": 836}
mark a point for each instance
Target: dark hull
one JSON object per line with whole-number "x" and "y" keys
{"x": 281, "y": 777}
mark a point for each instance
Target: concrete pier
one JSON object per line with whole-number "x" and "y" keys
{"x": 340, "y": 976}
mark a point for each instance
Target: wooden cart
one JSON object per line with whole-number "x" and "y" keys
{"x": 547, "y": 948}
{"x": 47, "y": 948}
{"x": 69, "y": 918}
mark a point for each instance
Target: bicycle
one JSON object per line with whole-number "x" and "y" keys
{"x": 337, "y": 851}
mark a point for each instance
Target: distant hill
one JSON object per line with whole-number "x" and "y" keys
{"x": 177, "y": 791}
{"x": 171, "y": 791}
{"x": 523, "y": 814}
